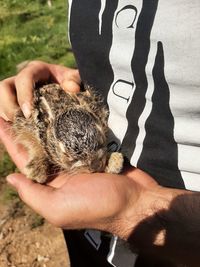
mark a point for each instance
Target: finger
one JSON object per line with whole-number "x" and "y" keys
{"x": 70, "y": 86}
{"x": 16, "y": 151}
{"x": 8, "y": 98}
{"x": 25, "y": 83}
{"x": 49, "y": 202}
{"x": 71, "y": 81}
{"x": 40, "y": 198}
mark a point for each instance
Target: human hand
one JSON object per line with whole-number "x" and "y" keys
{"x": 102, "y": 201}
{"x": 16, "y": 91}
{"x": 132, "y": 206}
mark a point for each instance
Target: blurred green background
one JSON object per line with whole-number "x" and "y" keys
{"x": 33, "y": 29}
{"x": 30, "y": 29}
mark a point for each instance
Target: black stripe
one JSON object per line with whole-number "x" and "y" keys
{"x": 82, "y": 253}
{"x": 140, "y": 57}
{"x": 162, "y": 161}
{"x": 91, "y": 48}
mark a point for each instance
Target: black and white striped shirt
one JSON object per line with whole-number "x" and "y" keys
{"x": 143, "y": 56}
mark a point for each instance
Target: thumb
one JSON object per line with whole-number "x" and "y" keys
{"x": 70, "y": 86}
{"x": 71, "y": 81}
{"x": 37, "y": 196}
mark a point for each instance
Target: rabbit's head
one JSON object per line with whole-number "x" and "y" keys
{"x": 79, "y": 140}
{"x": 73, "y": 129}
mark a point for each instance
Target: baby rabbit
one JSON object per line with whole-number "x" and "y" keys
{"x": 65, "y": 133}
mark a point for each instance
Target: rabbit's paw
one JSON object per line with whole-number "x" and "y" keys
{"x": 115, "y": 163}
{"x": 36, "y": 171}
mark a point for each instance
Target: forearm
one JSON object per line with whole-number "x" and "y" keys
{"x": 171, "y": 227}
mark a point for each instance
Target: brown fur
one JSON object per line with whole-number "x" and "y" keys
{"x": 65, "y": 132}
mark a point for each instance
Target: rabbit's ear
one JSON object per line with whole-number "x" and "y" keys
{"x": 47, "y": 101}
{"x": 95, "y": 102}
{"x": 47, "y": 108}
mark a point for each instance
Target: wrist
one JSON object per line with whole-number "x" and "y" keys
{"x": 161, "y": 221}
{"x": 140, "y": 217}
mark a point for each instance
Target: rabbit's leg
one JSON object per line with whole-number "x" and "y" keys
{"x": 115, "y": 163}
{"x": 37, "y": 169}
{"x": 38, "y": 164}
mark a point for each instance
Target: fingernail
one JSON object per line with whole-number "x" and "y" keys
{"x": 26, "y": 108}
{"x": 11, "y": 179}
{"x": 5, "y": 117}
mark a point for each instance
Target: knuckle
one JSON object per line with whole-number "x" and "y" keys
{"x": 26, "y": 69}
{"x": 4, "y": 86}
{"x": 3, "y": 83}
{"x": 73, "y": 72}
{"x": 20, "y": 75}
{"x": 34, "y": 63}
{"x": 1, "y": 86}
{"x": 19, "y": 79}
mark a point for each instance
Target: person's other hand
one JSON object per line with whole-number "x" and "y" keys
{"x": 16, "y": 92}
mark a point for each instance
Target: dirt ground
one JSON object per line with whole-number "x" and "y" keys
{"x": 26, "y": 240}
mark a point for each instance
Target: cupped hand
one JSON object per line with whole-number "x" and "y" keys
{"x": 108, "y": 202}
{"x": 16, "y": 92}
{"x": 151, "y": 218}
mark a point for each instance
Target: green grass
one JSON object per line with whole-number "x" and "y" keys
{"x": 7, "y": 193}
{"x": 36, "y": 221}
{"x": 6, "y": 166}
{"x": 30, "y": 29}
